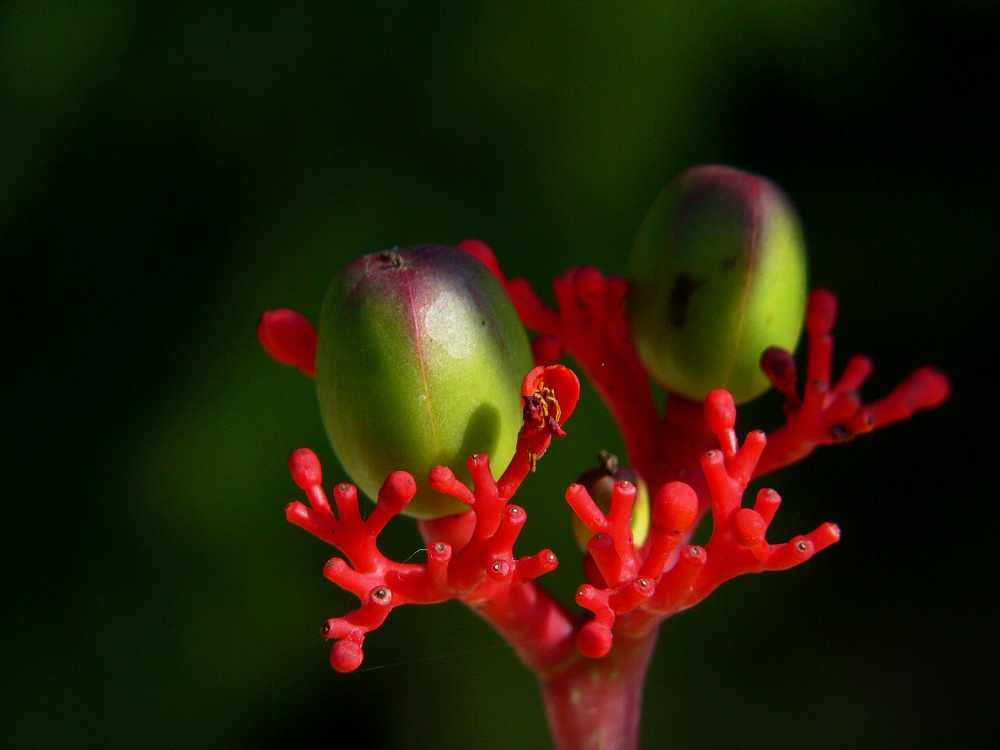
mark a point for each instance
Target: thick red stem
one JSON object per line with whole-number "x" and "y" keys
{"x": 537, "y": 626}
{"x": 596, "y": 704}
{"x": 684, "y": 437}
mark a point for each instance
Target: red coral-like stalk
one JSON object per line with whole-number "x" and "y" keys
{"x": 593, "y": 700}
{"x": 471, "y": 557}
{"x": 826, "y": 413}
{"x": 632, "y": 590}
{"x": 590, "y": 324}
{"x": 591, "y": 667}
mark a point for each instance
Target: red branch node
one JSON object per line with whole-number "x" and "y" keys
{"x": 632, "y": 590}
{"x": 471, "y": 557}
{"x": 826, "y": 413}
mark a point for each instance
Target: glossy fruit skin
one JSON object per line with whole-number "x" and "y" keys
{"x": 599, "y": 483}
{"x": 419, "y": 363}
{"x": 718, "y": 274}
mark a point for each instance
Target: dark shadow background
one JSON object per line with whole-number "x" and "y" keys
{"x": 170, "y": 170}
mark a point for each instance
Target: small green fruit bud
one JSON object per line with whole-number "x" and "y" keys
{"x": 599, "y": 483}
{"x": 718, "y": 275}
{"x": 419, "y": 364}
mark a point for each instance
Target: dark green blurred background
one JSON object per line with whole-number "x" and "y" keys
{"x": 170, "y": 170}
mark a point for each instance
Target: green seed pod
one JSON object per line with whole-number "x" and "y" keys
{"x": 419, "y": 364}
{"x": 599, "y": 482}
{"x": 718, "y": 275}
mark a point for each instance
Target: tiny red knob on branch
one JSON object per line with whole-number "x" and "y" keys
{"x": 675, "y": 507}
{"x": 305, "y": 468}
{"x": 346, "y": 656}
{"x": 821, "y": 313}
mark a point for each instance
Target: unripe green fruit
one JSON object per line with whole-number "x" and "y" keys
{"x": 419, "y": 363}
{"x": 599, "y": 483}
{"x": 718, "y": 275}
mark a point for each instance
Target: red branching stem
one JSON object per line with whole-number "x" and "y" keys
{"x": 827, "y": 412}
{"x": 537, "y": 627}
{"x": 470, "y": 556}
{"x": 684, "y": 436}
{"x": 592, "y": 666}
{"x": 632, "y": 590}
{"x": 590, "y": 324}
{"x": 691, "y": 458}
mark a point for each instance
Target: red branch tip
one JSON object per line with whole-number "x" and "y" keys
{"x": 471, "y": 568}
{"x": 631, "y": 590}
{"x": 290, "y": 338}
{"x": 826, "y": 412}
{"x": 472, "y": 557}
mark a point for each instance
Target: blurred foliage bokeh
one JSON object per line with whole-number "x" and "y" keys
{"x": 168, "y": 171}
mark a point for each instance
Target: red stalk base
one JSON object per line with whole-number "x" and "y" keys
{"x": 596, "y": 704}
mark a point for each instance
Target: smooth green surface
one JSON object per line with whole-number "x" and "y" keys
{"x": 420, "y": 365}
{"x": 718, "y": 274}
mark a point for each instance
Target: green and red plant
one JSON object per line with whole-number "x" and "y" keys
{"x": 715, "y": 303}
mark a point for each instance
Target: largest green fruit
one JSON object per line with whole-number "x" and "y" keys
{"x": 419, "y": 362}
{"x": 718, "y": 275}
